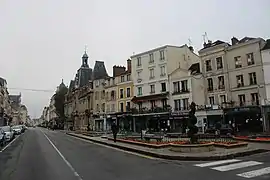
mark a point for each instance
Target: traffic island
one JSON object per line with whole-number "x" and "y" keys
{"x": 165, "y": 153}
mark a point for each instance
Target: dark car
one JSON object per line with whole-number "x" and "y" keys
{"x": 2, "y": 137}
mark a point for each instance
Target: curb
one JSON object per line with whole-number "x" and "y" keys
{"x": 182, "y": 158}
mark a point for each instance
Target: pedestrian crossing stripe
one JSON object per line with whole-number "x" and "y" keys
{"x": 217, "y": 163}
{"x": 234, "y": 164}
{"x": 255, "y": 173}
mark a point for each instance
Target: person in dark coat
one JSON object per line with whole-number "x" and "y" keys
{"x": 114, "y": 130}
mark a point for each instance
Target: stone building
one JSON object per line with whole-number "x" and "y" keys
{"x": 15, "y": 101}
{"x": 5, "y": 107}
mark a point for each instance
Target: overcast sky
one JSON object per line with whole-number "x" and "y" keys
{"x": 42, "y": 41}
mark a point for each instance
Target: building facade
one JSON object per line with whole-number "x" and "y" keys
{"x": 235, "y": 82}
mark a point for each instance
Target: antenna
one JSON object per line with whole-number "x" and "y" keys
{"x": 205, "y": 37}
{"x": 189, "y": 42}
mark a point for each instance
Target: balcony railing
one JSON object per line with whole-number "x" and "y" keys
{"x": 150, "y": 110}
{"x": 182, "y": 91}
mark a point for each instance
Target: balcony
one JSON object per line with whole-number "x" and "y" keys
{"x": 156, "y": 109}
{"x": 210, "y": 89}
{"x": 182, "y": 91}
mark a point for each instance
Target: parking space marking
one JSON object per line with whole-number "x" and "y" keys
{"x": 9, "y": 144}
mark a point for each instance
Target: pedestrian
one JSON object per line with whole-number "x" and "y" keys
{"x": 114, "y": 131}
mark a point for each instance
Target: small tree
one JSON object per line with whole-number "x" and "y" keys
{"x": 59, "y": 102}
{"x": 192, "y": 120}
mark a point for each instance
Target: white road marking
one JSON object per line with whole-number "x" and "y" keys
{"x": 117, "y": 149}
{"x": 236, "y": 166}
{"x": 9, "y": 143}
{"x": 255, "y": 173}
{"x": 217, "y": 163}
{"x": 60, "y": 154}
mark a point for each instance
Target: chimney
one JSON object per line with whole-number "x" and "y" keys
{"x": 117, "y": 70}
{"x": 234, "y": 40}
{"x": 129, "y": 65}
{"x": 191, "y": 48}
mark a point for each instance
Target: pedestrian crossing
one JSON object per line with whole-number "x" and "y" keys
{"x": 239, "y": 165}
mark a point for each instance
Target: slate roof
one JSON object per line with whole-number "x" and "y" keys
{"x": 210, "y": 44}
{"x": 99, "y": 71}
{"x": 267, "y": 45}
{"x": 2, "y": 81}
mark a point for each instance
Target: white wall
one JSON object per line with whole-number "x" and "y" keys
{"x": 266, "y": 71}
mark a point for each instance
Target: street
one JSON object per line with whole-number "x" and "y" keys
{"x": 52, "y": 155}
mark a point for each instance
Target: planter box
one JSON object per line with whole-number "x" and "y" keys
{"x": 156, "y": 146}
{"x": 192, "y": 148}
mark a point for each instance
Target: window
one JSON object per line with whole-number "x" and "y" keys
{"x": 139, "y": 74}
{"x": 107, "y": 96}
{"x": 121, "y": 107}
{"x": 176, "y": 87}
{"x": 238, "y": 62}
{"x": 240, "y": 81}
{"x": 255, "y": 98}
{"x": 185, "y": 104}
{"x": 219, "y": 63}
{"x": 152, "y": 88}
{"x": 140, "y": 106}
{"x": 210, "y": 84}
{"x": 177, "y": 105}
{"x": 151, "y": 58}
{"x": 162, "y": 71}
{"x": 164, "y": 103}
{"x": 242, "y": 99}
{"x": 163, "y": 87}
{"x": 112, "y": 95}
{"x": 128, "y": 106}
{"x": 221, "y": 82}
{"x": 153, "y": 104}
{"x": 250, "y": 59}
{"x": 139, "y": 91}
{"x": 121, "y": 93}
{"x": 103, "y": 107}
{"x": 152, "y": 75}
{"x": 208, "y": 65}
{"x": 128, "y": 77}
{"x": 122, "y": 79}
{"x": 113, "y": 108}
{"x": 97, "y": 83}
{"x": 162, "y": 56}
{"x": 97, "y": 107}
{"x": 222, "y": 99}
{"x": 139, "y": 61}
{"x": 252, "y": 78}
{"x": 103, "y": 94}
{"x": 211, "y": 100}
{"x": 184, "y": 86}
{"x": 128, "y": 92}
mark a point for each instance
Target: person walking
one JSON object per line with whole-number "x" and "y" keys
{"x": 114, "y": 131}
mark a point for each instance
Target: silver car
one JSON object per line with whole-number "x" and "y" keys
{"x": 9, "y": 134}
{"x": 17, "y": 129}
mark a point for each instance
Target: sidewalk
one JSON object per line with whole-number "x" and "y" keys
{"x": 165, "y": 153}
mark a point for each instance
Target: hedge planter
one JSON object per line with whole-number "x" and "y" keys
{"x": 257, "y": 139}
{"x": 155, "y": 145}
{"x": 192, "y": 148}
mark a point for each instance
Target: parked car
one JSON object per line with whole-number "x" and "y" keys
{"x": 9, "y": 133}
{"x": 2, "y": 137}
{"x": 17, "y": 129}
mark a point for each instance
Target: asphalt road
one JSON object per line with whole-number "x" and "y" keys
{"x": 40, "y": 154}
